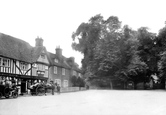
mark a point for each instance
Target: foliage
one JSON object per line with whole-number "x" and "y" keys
{"x": 161, "y": 40}
{"x": 148, "y": 49}
{"x": 77, "y": 81}
{"x": 87, "y": 35}
{"x": 118, "y": 52}
{"x": 73, "y": 80}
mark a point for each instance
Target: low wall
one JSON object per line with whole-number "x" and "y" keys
{"x": 72, "y": 89}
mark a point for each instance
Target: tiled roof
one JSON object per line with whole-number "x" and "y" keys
{"x": 61, "y": 62}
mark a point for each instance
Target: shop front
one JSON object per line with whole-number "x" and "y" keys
{"x": 23, "y": 82}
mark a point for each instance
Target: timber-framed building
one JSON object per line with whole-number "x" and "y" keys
{"x": 22, "y": 63}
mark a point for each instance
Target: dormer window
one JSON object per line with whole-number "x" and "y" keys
{"x": 43, "y": 56}
{"x": 56, "y": 60}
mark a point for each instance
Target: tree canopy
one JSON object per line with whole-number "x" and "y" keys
{"x": 114, "y": 51}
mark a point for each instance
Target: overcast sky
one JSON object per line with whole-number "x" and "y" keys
{"x": 55, "y": 20}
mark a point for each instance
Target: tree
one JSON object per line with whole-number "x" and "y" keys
{"x": 73, "y": 80}
{"x": 87, "y": 35}
{"x": 77, "y": 81}
{"x": 161, "y": 41}
{"x": 148, "y": 49}
{"x": 109, "y": 49}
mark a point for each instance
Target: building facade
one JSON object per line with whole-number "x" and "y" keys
{"x": 62, "y": 68}
{"x": 24, "y": 64}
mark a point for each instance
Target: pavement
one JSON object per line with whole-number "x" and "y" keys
{"x": 90, "y": 102}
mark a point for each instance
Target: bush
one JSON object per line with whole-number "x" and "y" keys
{"x": 77, "y": 81}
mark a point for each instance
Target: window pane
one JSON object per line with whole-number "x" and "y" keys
{"x": 55, "y": 69}
{"x": 63, "y": 71}
{"x": 4, "y": 62}
{"x": 43, "y": 67}
{"x": 46, "y": 67}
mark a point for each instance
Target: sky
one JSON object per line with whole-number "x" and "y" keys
{"x": 55, "y": 20}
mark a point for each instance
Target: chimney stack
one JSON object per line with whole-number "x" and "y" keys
{"x": 39, "y": 41}
{"x": 73, "y": 59}
{"x": 58, "y": 51}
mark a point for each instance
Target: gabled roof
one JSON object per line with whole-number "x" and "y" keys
{"x": 18, "y": 49}
{"x": 61, "y": 62}
{"x": 52, "y": 57}
{"x": 15, "y": 48}
{"x": 36, "y": 52}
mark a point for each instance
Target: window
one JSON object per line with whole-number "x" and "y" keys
{"x": 65, "y": 83}
{"x": 46, "y": 67}
{"x": 41, "y": 67}
{"x": 63, "y": 71}
{"x": 43, "y": 56}
{"x": 56, "y": 60}
{"x": 55, "y": 70}
{"x": 74, "y": 73}
{"x": 23, "y": 66}
{"x": 4, "y": 62}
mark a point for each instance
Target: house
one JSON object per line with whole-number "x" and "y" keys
{"x": 40, "y": 62}
{"x": 21, "y": 62}
{"x": 62, "y": 68}
{"x": 59, "y": 70}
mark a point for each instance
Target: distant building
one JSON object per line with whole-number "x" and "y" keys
{"x": 62, "y": 68}
{"x": 21, "y": 62}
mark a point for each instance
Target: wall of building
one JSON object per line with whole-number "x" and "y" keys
{"x": 36, "y": 70}
{"x": 10, "y": 67}
{"x": 58, "y": 77}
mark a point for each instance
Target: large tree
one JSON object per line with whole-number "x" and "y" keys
{"x": 85, "y": 38}
{"x": 108, "y": 48}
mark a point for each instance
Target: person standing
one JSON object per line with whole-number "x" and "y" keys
{"x": 52, "y": 87}
{"x": 58, "y": 88}
{"x": 45, "y": 87}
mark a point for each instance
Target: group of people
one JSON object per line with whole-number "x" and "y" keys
{"x": 8, "y": 83}
{"x": 55, "y": 87}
